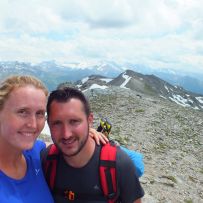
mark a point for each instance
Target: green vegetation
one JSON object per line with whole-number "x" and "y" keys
{"x": 188, "y": 201}
{"x": 152, "y": 181}
{"x": 139, "y": 110}
{"x": 161, "y": 147}
{"x": 192, "y": 179}
{"x": 172, "y": 178}
{"x": 173, "y": 162}
{"x": 169, "y": 184}
{"x": 149, "y": 90}
{"x": 118, "y": 137}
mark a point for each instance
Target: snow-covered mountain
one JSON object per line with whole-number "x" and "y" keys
{"x": 144, "y": 85}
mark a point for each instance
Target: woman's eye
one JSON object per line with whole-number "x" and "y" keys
{"x": 41, "y": 114}
{"x": 22, "y": 112}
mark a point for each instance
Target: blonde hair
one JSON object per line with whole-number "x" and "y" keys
{"x": 8, "y": 85}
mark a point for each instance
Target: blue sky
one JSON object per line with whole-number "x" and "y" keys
{"x": 156, "y": 33}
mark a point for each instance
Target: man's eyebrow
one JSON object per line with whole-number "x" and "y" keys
{"x": 55, "y": 121}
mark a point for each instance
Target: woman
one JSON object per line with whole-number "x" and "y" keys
{"x": 22, "y": 118}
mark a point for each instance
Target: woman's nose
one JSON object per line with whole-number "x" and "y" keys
{"x": 32, "y": 122}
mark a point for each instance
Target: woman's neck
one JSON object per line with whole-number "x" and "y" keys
{"x": 12, "y": 161}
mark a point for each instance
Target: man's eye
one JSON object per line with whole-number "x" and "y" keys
{"x": 56, "y": 123}
{"x": 74, "y": 122}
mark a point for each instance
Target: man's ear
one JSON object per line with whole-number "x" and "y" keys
{"x": 90, "y": 119}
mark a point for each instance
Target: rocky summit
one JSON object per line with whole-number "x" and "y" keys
{"x": 168, "y": 135}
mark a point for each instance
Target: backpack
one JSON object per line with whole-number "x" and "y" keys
{"x": 107, "y": 172}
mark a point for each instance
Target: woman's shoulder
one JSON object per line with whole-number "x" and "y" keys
{"x": 38, "y": 146}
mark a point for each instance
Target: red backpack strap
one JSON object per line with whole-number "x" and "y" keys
{"x": 107, "y": 170}
{"x": 50, "y": 165}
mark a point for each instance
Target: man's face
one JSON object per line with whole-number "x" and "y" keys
{"x": 69, "y": 126}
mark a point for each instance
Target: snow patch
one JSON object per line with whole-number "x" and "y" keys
{"x": 127, "y": 79}
{"x": 106, "y": 79}
{"x": 200, "y": 99}
{"x": 166, "y": 88}
{"x": 95, "y": 86}
{"x": 180, "y": 100}
{"x": 84, "y": 80}
{"x": 162, "y": 97}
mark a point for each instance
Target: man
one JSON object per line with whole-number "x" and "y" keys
{"x": 69, "y": 119}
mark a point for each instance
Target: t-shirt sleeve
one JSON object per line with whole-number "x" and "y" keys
{"x": 129, "y": 185}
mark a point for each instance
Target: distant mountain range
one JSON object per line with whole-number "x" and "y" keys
{"x": 106, "y": 74}
{"x": 53, "y": 74}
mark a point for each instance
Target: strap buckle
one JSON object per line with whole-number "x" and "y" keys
{"x": 111, "y": 195}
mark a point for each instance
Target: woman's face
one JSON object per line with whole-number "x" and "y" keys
{"x": 22, "y": 117}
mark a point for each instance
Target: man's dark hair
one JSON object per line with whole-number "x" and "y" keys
{"x": 64, "y": 95}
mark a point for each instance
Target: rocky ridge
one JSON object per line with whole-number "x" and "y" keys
{"x": 168, "y": 135}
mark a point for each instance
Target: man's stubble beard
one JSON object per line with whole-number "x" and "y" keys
{"x": 81, "y": 146}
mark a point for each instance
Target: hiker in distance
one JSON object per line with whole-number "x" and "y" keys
{"x": 78, "y": 170}
{"x": 23, "y": 102}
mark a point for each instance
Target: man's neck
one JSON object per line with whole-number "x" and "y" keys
{"x": 83, "y": 157}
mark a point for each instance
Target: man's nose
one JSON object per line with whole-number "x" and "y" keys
{"x": 67, "y": 131}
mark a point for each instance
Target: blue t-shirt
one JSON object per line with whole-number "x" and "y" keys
{"x": 32, "y": 188}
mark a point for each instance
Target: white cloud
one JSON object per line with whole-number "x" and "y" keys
{"x": 163, "y": 34}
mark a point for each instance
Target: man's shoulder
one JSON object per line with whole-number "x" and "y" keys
{"x": 127, "y": 176}
{"x": 122, "y": 160}
{"x": 124, "y": 164}
{"x": 122, "y": 157}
